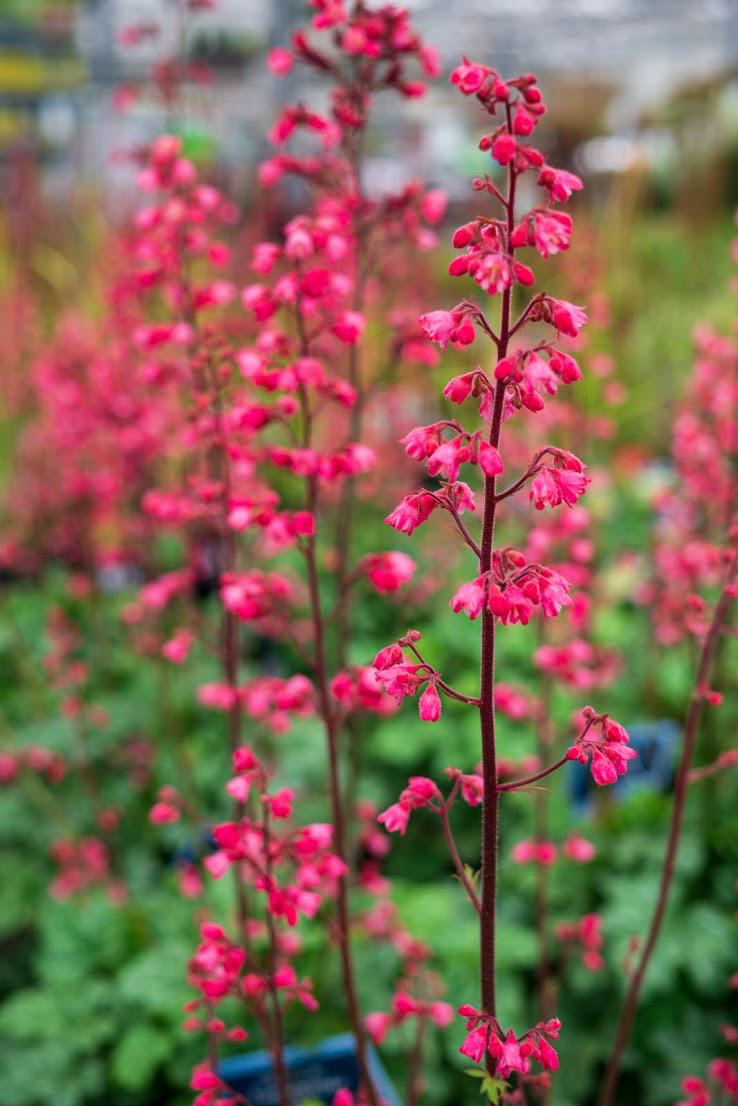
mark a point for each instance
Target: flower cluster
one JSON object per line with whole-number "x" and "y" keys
{"x": 506, "y": 1052}
{"x": 603, "y": 744}
{"x": 512, "y": 589}
{"x": 405, "y": 1007}
{"x": 586, "y": 935}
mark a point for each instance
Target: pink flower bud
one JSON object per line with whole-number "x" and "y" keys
{"x": 504, "y": 148}
{"x": 280, "y": 61}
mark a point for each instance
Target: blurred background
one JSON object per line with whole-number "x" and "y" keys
{"x": 635, "y": 86}
{"x": 643, "y": 95}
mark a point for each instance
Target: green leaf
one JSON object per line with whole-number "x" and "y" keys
{"x": 31, "y": 1014}
{"x": 472, "y": 874}
{"x": 493, "y": 1088}
{"x": 137, "y": 1056}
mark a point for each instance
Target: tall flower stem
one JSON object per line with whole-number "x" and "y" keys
{"x": 490, "y": 810}
{"x": 277, "y": 1039}
{"x": 329, "y": 719}
{"x": 231, "y": 643}
{"x": 541, "y": 834}
{"x": 331, "y": 728}
{"x": 691, "y": 728}
{"x": 345, "y": 518}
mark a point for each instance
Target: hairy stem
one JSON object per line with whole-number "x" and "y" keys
{"x": 490, "y": 809}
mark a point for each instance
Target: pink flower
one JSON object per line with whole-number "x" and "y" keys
{"x": 555, "y": 485}
{"x": 419, "y": 792}
{"x": 280, "y": 804}
{"x": 604, "y": 743}
{"x": 587, "y": 934}
{"x": 389, "y": 656}
{"x": 411, "y": 512}
{"x": 469, "y": 598}
{"x": 534, "y": 852}
{"x": 469, "y": 77}
{"x": 461, "y": 387}
{"x": 490, "y": 461}
{"x": 280, "y": 61}
{"x": 508, "y": 1052}
{"x": 472, "y": 789}
{"x": 349, "y": 327}
{"x": 579, "y": 849}
{"x": 504, "y": 148}
{"x": 433, "y": 205}
{"x": 441, "y": 1014}
{"x": 377, "y": 1024}
{"x": 388, "y": 571}
{"x": 239, "y": 788}
{"x": 523, "y": 121}
{"x": 567, "y": 317}
{"x": 512, "y": 1056}
{"x": 395, "y": 819}
{"x": 449, "y": 456}
{"x": 448, "y": 326}
{"x": 163, "y": 812}
{"x": 429, "y": 704}
{"x": 219, "y": 696}
{"x": 549, "y": 231}
{"x": 178, "y": 647}
{"x": 475, "y": 1044}
{"x": 264, "y": 257}
{"x": 430, "y": 61}
{"x": 559, "y": 183}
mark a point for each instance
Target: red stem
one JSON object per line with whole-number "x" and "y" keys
{"x": 542, "y": 894}
{"x": 331, "y": 728}
{"x": 277, "y": 1042}
{"x": 490, "y": 808}
{"x": 518, "y": 785}
{"x": 331, "y": 732}
{"x": 691, "y": 726}
{"x": 458, "y": 863}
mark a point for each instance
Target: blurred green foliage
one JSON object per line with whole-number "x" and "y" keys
{"x": 95, "y": 988}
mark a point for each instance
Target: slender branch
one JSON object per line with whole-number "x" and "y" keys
{"x": 463, "y": 530}
{"x": 522, "y": 320}
{"x": 706, "y": 771}
{"x": 480, "y": 318}
{"x": 526, "y": 781}
{"x": 452, "y": 693}
{"x": 513, "y": 488}
{"x": 691, "y": 727}
{"x": 339, "y": 608}
{"x": 458, "y": 863}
